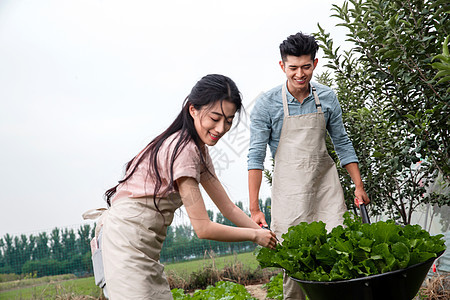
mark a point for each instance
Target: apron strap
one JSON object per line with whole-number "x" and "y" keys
{"x": 285, "y": 103}
{"x": 316, "y": 99}
{"x": 93, "y": 214}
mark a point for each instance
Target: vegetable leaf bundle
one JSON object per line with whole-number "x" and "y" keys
{"x": 351, "y": 251}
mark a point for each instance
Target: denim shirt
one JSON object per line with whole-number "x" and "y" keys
{"x": 266, "y": 121}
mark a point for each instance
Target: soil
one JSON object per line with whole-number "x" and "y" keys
{"x": 257, "y": 291}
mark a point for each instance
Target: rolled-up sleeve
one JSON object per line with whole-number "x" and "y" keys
{"x": 260, "y": 129}
{"x": 342, "y": 144}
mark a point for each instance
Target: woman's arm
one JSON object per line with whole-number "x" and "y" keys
{"x": 206, "y": 229}
{"x": 228, "y": 209}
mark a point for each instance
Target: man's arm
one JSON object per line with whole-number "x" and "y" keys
{"x": 345, "y": 150}
{"x": 360, "y": 193}
{"x": 260, "y": 129}
{"x": 335, "y": 126}
{"x": 254, "y": 184}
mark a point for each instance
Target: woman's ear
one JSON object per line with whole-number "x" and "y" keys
{"x": 192, "y": 110}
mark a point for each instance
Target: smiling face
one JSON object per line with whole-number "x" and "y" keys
{"x": 214, "y": 121}
{"x": 299, "y": 71}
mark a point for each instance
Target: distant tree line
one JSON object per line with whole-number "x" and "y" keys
{"x": 60, "y": 252}
{"x": 64, "y": 251}
{"x": 182, "y": 243}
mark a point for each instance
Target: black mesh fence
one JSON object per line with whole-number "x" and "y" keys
{"x": 67, "y": 250}
{"x": 64, "y": 251}
{"x": 60, "y": 251}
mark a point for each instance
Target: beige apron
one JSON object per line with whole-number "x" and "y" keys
{"x": 305, "y": 183}
{"x": 132, "y": 239}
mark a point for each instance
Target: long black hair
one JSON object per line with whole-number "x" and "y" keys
{"x": 206, "y": 92}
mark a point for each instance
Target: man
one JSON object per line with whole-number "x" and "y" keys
{"x": 293, "y": 119}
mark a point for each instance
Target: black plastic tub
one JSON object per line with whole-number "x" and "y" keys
{"x": 402, "y": 284}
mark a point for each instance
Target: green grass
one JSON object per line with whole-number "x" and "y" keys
{"x": 8, "y": 285}
{"x": 185, "y": 268}
{"x": 55, "y": 290}
{"x": 65, "y": 287}
{"x": 10, "y": 277}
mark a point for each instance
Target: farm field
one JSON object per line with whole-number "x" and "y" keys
{"x": 69, "y": 287}
{"x": 55, "y": 289}
{"x": 185, "y": 268}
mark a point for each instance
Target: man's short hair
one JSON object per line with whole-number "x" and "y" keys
{"x": 297, "y": 45}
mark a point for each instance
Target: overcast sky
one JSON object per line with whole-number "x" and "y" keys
{"x": 85, "y": 85}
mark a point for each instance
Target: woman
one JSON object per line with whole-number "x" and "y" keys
{"x": 163, "y": 176}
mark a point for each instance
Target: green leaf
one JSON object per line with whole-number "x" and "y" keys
{"x": 443, "y": 80}
{"x": 442, "y": 73}
{"x": 401, "y": 253}
{"x": 391, "y": 54}
{"x": 370, "y": 267}
{"x": 393, "y": 21}
{"x": 377, "y": 154}
{"x": 327, "y": 255}
{"x": 440, "y": 66}
{"x": 445, "y": 50}
{"x": 418, "y": 257}
{"x": 444, "y": 58}
{"x": 437, "y": 3}
{"x": 350, "y": 252}
{"x": 366, "y": 244}
{"x": 389, "y": 259}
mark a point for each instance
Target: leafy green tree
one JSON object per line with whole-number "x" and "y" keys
{"x": 68, "y": 241}
{"x": 21, "y": 252}
{"x": 44, "y": 267}
{"x": 265, "y": 206}
{"x": 444, "y": 65}
{"x": 210, "y": 214}
{"x": 56, "y": 247}
{"x": 15, "y": 252}
{"x": 84, "y": 239}
{"x": 8, "y": 251}
{"x": 222, "y": 220}
{"x": 42, "y": 250}
{"x": 60, "y": 252}
{"x": 395, "y": 113}
{"x": 168, "y": 245}
{"x": 29, "y": 246}
{"x": 266, "y": 210}
{"x": 2, "y": 257}
{"x": 183, "y": 232}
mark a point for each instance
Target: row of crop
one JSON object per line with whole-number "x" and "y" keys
{"x": 232, "y": 290}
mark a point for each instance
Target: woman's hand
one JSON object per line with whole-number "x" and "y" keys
{"x": 266, "y": 238}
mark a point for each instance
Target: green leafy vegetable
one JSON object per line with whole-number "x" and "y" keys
{"x": 223, "y": 290}
{"x": 354, "y": 250}
{"x": 275, "y": 287}
{"x": 178, "y": 294}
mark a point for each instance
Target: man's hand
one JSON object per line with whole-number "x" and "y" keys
{"x": 360, "y": 193}
{"x": 361, "y": 196}
{"x": 259, "y": 218}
